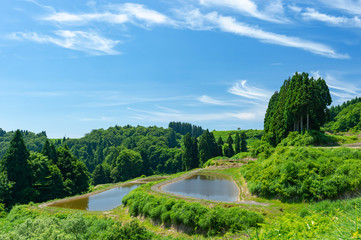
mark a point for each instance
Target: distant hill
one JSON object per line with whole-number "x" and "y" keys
{"x": 349, "y": 118}
{"x": 335, "y": 110}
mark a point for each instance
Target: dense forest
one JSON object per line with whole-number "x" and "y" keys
{"x": 65, "y": 167}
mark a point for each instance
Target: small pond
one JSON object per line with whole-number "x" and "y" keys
{"x": 210, "y": 187}
{"x": 103, "y": 201}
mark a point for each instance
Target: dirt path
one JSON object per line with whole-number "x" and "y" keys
{"x": 158, "y": 187}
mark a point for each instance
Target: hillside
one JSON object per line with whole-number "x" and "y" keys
{"x": 349, "y": 118}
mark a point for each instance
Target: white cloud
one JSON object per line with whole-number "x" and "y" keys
{"x": 350, "y": 6}
{"x": 312, "y": 14}
{"x": 273, "y": 11}
{"x": 89, "y": 42}
{"x": 209, "y": 100}
{"x": 240, "y": 89}
{"x": 198, "y": 21}
{"x": 115, "y": 14}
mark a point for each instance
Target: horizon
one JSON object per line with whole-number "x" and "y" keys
{"x": 72, "y": 67}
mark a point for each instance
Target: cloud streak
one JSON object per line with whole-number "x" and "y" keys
{"x": 89, "y": 42}
{"x": 248, "y": 7}
{"x": 115, "y": 14}
{"x": 212, "y": 101}
{"x": 312, "y": 14}
{"x": 198, "y": 21}
{"x": 241, "y": 89}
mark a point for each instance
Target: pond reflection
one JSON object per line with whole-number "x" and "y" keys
{"x": 210, "y": 187}
{"x": 103, "y": 201}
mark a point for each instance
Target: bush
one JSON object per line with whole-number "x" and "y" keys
{"x": 300, "y": 173}
{"x": 193, "y": 215}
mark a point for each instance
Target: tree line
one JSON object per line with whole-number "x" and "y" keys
{"x": 184, "y": 128}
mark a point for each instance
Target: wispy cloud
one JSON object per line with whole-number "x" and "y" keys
{"x": 341, "y": 91}
{"x": 312, "y": 14}
{"x": 89, "y": 42}
{"x": 350, "y": 6}
{"x": 209, "y": 100}
{"x": 273, "y": 11}
{"x": 114, "y": 14}
{"x": 198, "y": 21}
{"x": 165, "y": 116}
{"x": 241, "y": 89}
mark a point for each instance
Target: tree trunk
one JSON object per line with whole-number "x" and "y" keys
{"x": 301, "y": 123}
{"x": 308, "y": 121}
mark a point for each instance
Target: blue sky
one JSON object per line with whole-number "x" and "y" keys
{"x": 68, "y": 67}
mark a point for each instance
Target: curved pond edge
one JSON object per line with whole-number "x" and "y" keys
{"x": 116, "y": 185}
{"x": 158, "y": 188}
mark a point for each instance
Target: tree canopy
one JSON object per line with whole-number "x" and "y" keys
{"x": 301, "y": 104}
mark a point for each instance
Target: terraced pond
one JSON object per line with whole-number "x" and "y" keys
{"x": 210, "y": 187}
{"x": 103, "y": 201}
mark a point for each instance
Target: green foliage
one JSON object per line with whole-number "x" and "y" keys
{"x": 212, "y": 221}
{"x": 305, "y": 174}
{"x": 300, "y": 104}
{"x": 184, "y": 128}
{"x": 128, "y": 165}
{"x": 34, "y": 142}
{"x": 22, "y": 223}
{"x": 208, "y": 147}
{"x": 308, "y": 138}
{"x": 158, "y": 147}
{"x": 335, "y": 110}
{"x": 15, "y": 164}
{"x": 348, "y": 119}
{"x": 73, "y": 171}
{"x": 131, "y": 230}
{"x": 47, "y": 178}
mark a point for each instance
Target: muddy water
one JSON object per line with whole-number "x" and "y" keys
{"x": 210, "y": 187}
{"x": 103, "y": 201}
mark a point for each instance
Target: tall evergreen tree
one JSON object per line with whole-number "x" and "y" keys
{"x": 230, "y": 146}
{"x": 195, "y": 160}
{"x": 188, "y": 152}
{"x": 15, "y": 163}
{"x": 237, "y": 147}
{"x": 49, "y": 151}
{"x": 220, "y": 146}
{"x": 243, "y": 142}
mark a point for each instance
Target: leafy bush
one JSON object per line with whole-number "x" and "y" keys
{"x": 310, "y": 137}
{"x": 23, "y": 223}
{"x": 193, "y": 215}
{"x": 299, "y": 173}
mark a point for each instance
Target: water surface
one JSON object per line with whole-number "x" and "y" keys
{"x": 210, "y": 187}
{"x": 103, "y": 201}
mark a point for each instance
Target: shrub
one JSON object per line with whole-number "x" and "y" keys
{"x": 301, "y": 173}
{"x": 194, "y": 215}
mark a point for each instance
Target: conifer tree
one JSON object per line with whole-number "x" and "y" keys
{"x": 230, "y": 146}
{"x": 15, "y": 164}
{"x": 243, "y": 142}
{"x": 237, "y": 147}
{"x": 187, "y": 155}
{"x": 220, "y": 146}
